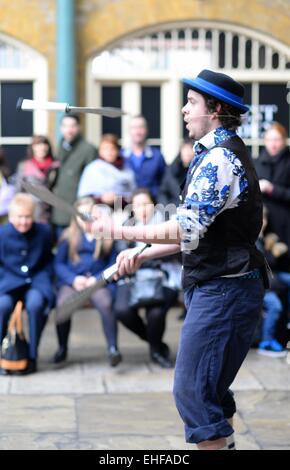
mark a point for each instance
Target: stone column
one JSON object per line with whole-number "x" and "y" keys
{"x": 66, "y": 55}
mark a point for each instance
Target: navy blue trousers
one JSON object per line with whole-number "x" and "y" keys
{"x": 35, "y": 304}
{"x": 221, "y": 318}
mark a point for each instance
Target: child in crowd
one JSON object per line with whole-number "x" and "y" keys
{"x": 26, "y": 269}
{"x": 78, "y": 262}
{"x": 276, "y": 254}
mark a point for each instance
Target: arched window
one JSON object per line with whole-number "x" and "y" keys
{"x": 23, "y": 73}
{"x": 142, "y": 74}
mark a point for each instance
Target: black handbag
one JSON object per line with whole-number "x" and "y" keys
{"x": 14, "y": 348}
{"x": 146, "y": 288}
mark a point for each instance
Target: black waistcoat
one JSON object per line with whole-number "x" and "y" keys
{"x": 228, "y": 246}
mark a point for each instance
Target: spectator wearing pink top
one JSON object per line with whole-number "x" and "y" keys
{"x": 39, "y": 168}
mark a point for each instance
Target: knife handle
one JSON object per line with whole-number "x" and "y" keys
{"x": 109, "y": 273}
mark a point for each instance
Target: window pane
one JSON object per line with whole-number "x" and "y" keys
{"x": 249, "y": 54}
{"x": 111, "y": 96}
{"x": 273, "y": 106}
{"x": 15, "y": 123}
{"x": 222, "y": 53}
{"x": 151, "y": 109}
{"x": 235, "y": 52}
{"x": 14, "y": 154}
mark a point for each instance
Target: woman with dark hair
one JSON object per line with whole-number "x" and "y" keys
{"x": 39, "y": 168}
{"x": 152, "y": 328}
{"x": 6, "y": 190}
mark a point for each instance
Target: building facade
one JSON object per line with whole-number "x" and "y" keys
{"x": 132, "y": 54}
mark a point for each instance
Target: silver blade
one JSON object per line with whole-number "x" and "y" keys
{"x": 42, "y": 193}
{"x": 76, "y": 301}
{"x": 107, "y": 112}
{"x": 79, "y": 299}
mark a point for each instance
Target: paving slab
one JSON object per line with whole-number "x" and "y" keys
{"x": 142, "y": 413}
{"x": 37, "y": 414}
{"x": 71, "y": 380}
{"x": 38, "y": 441}
{"x": 272, "y": 373}
{"x": 268, "y": 419}
{"x": 246, "y": 380}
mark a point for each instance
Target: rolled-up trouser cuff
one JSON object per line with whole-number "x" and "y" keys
{"x": 210, "y": 432}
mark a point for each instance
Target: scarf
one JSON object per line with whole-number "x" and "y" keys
{"x": 119, "y": 163}
{"x": 43, "y": 165}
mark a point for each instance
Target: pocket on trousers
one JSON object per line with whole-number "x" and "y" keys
{"x": 213, "y": 287}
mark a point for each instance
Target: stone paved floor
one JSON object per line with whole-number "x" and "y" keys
{"x": 88, "y": 405}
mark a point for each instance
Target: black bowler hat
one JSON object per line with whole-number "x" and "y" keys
{"x": 219, "y": 86}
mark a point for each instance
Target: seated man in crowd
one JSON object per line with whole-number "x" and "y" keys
{"x": 25, "y": 271}
{"x": 277, "y": 257}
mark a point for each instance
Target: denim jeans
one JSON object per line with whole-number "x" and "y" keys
{"x": 273, "y": 310}
{"x": 284, "y": 277}
{"x": 221, "y": 318}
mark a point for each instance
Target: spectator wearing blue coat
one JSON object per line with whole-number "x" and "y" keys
{"x": 147, "y": 162}
{"x": 26, "y": 269}
{"x": 79, "y": 261}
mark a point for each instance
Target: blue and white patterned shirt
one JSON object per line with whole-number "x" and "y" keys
{"x": 218, "y": 182}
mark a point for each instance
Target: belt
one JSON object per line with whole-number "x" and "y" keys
{"x": 255, "y": 274}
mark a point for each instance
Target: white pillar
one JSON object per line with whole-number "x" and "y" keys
{"x": 131, "y": 104}
{"x": 171, "y": 119}
{"x": 40, "y": 89}
{"x": 93, "y": 98}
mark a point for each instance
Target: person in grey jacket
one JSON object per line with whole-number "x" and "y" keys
{"x": 109, "y": 177}
{"x": 74, "y": 154}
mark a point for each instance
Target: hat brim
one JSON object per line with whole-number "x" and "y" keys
{"x": 192, "y": 84}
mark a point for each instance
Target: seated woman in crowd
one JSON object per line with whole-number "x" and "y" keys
{"x": 151, "y": 330}
{"x": 109, "y": 176}
{"x": 26, "y": 269}
{"x": 39, "y": 168}
{"x": 6, "y": 189}
{"x": 78, "y": 262}
{"x": 276, "y": 254}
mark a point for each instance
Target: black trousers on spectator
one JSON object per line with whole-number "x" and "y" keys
{"x": 35, "y": 305}
{"x": 153, "y": 329}
{"x": 102, "y": 300}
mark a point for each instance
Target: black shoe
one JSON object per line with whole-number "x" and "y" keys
{"x": 115, "y": 356}
{"x": 164, "y": 350}
{"x": 161, "y": 360}
{"x": 4, "y": 372}
{"x": 31, "y": 369}
{"x": 60, "y": 356}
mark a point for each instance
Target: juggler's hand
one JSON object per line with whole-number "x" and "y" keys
{"x": 127, "y": 265}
